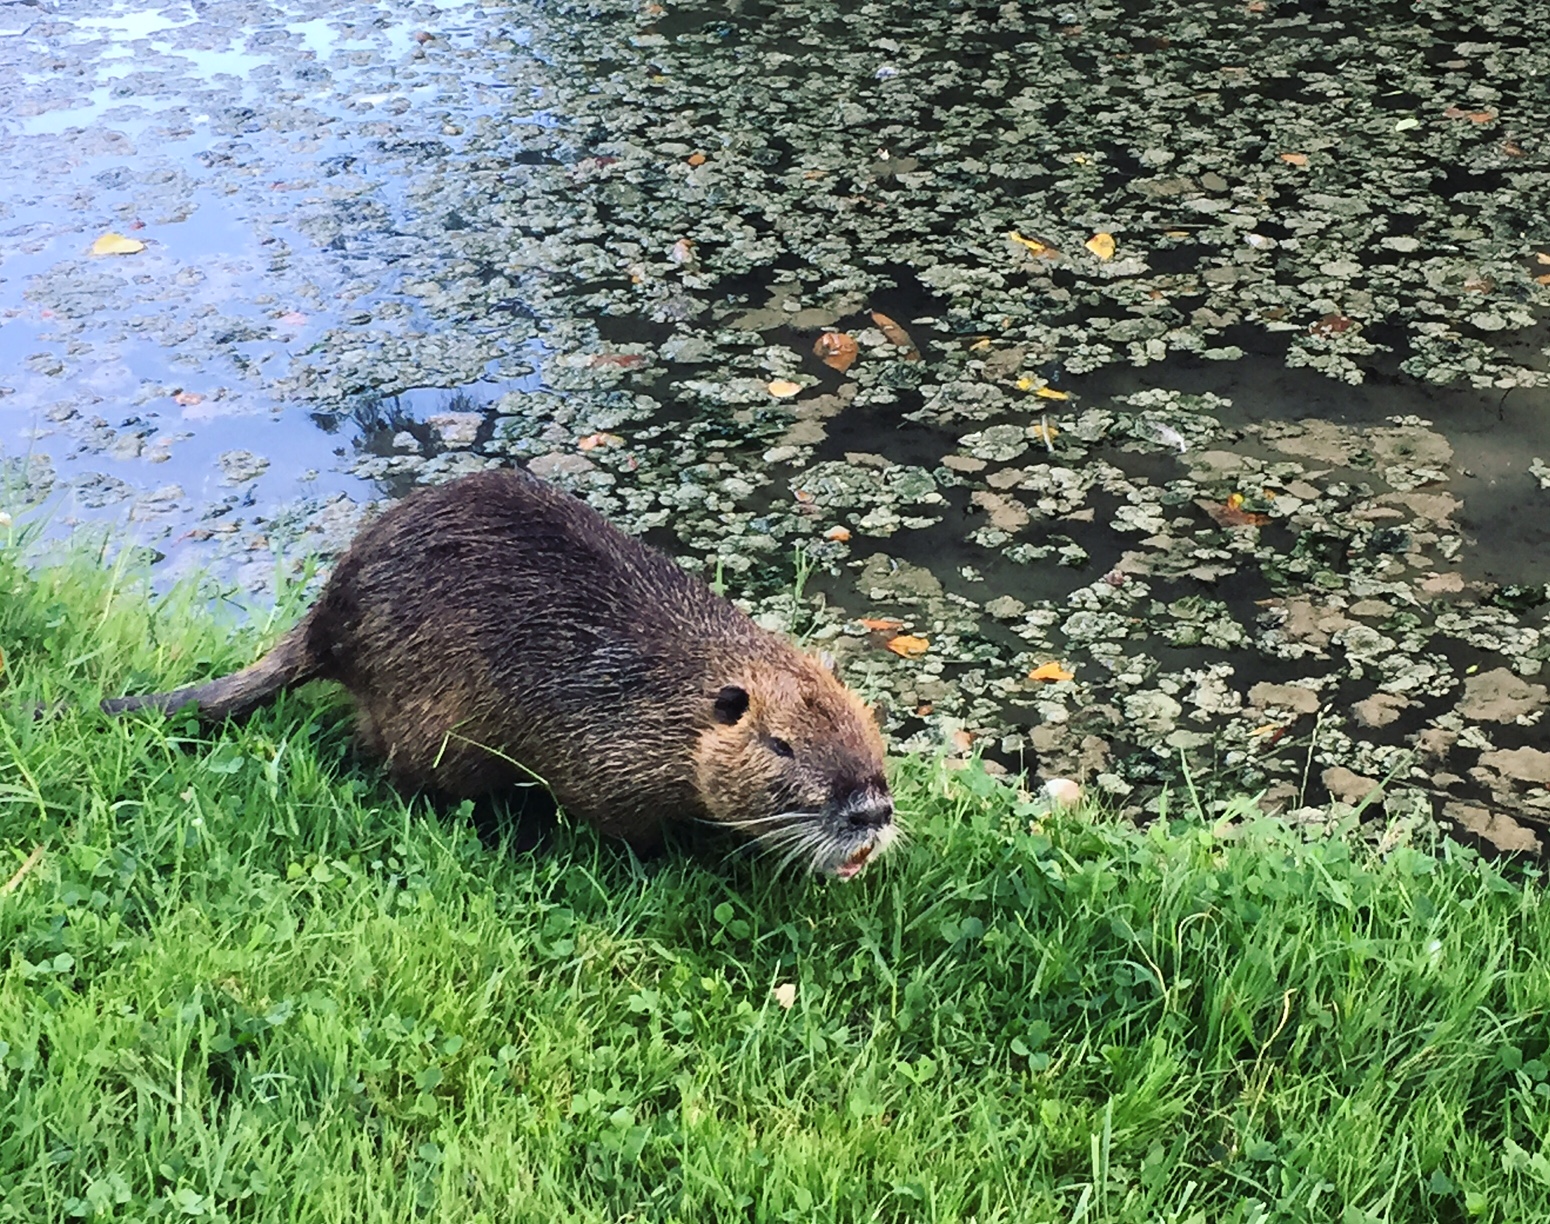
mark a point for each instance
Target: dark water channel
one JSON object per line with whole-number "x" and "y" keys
{"x": 1200, "y": 350}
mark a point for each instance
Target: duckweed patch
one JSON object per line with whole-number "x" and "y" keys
{"x": 1212, "y": 339}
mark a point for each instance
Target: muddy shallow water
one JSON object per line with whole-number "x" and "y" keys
{"x": 1197, "y": 353}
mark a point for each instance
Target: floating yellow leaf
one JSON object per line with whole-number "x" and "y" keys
{"x": 980, "y": 345}
{"x": 1051, "y": 393}
{"x": 783, "y": 388}
{"x": 908, "y": 647}
{"x": 1033, "y": 244}
{"x": 881, "y": 622}
{"x": 1025, "y": 383}
{"x": 1295, "y": 159}
{"x": 1266, "y": 729}
{"x": 1101, "y": 245}
{"x": 1044, "y": 432}
{"x": 1232, "y": 514}
{"x": 1050, "y": 671}
{"x": 116, "y": 244}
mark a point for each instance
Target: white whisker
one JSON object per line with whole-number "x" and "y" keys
{"x": 752, "y": 821}
{"x": 809, "y": 838}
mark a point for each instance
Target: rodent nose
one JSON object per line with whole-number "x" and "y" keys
{"x": 868, "y": 810}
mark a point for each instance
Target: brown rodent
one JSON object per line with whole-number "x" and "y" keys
{"x": 495, "y": 629}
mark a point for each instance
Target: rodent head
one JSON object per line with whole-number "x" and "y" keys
{"x": 794, "y": 760}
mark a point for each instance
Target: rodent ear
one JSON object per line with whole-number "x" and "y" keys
{"x": 731, "y": 704}
{"x": 879, "y": 711}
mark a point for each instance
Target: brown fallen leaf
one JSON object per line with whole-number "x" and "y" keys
{"x": 594, "y": 441}
{"x": 838, "y": 534}
{"x": 880, "y": 623}
{"x": 1295, "y": 159}
{"x": 682, "y": 252}
{"x": 896, "y": 335}
{"x": 783, "y": 388}
{"x": 187, "y": 399}
{"x": 1331, "y": 325}
{"x": 908, "y": 647}
{"x": 116, "y": 244}
{"x": 1101, "y": 245}
{"x": 1050, "y": 671}
{"x": 1034, "y": 246}
{"x": 292, "y": 318}
{"x": 15, "y": 882}
{"x": 1063, "y": 792}
{"x": 836, "y": 350}
{"x": 1458, "y": 112}
{"x": 1511, "y": 148}
{"x": 622, "y": 361}
{"x": 696, "y": 159}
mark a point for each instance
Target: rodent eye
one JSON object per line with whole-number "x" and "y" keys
{"x": 780, "y": 748}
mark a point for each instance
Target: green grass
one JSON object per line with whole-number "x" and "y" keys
{"x": 245, "y": 980}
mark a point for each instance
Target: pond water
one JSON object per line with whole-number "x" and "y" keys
{"x": 1195, "y": 352}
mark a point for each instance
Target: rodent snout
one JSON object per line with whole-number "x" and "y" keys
{"x": 867, "y": 810}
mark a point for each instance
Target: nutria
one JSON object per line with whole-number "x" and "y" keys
{"x": 495, "y": 629}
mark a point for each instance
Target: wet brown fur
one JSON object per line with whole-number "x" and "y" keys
{"x": 495, "y": 628}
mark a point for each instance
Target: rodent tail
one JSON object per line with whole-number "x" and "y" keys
{"x": 290, "y": 662}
